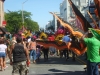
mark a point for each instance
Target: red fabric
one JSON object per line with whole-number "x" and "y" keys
{"x": 96, "y": 12}
{"x": 52, "y": 38}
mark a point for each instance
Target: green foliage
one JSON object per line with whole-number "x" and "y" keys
{"x": 14, "y": 21}
{"x": 32, "y": 25}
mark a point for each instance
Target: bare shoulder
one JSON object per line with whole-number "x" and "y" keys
{"x": 13, "y": 45}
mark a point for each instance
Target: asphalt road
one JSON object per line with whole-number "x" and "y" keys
{"x": 54, "y": 66}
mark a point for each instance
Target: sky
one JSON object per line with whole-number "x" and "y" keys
{"x": 39, "y": 8}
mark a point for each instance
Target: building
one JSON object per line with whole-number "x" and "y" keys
{"x": 67, "y": 14}
{"x": 91, "y": 8}
{"x": 1, "y": 12}
{"x": 49, "y": 24}
{"x": 2, "y": 20}
{"x": 66, "y": 11}
{"x": 53, "y": 24}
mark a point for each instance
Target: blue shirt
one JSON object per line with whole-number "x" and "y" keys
{"x": 66, "y": 39}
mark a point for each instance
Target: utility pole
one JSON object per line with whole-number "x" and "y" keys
{"x": 22, "y": 12}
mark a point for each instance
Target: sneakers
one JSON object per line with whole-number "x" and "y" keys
{"x": 34, "y": 62}
{"x": 5, "y": 67}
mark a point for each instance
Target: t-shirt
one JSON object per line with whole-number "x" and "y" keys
{"x": 29, "y": 40}
{"x": 66, "y": 39}
{"x": 93, "y": 47}
{"x": 3, "y": 48}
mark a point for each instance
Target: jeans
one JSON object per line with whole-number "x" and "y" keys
{"x": 2, "y": 54}
{"x": 33, "y": 54}
{"x": 92, "y": 68}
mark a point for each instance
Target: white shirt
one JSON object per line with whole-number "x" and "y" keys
{"x": 29, "y": 40}
{"x": 3, "y": 48}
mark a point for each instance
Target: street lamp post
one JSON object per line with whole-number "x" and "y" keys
{"x": 22, "y": 12}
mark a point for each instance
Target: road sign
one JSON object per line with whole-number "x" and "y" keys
{"x": 4, "y": 23}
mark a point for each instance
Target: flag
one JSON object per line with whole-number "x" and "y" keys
{"x": 95, "y": 33}
{"x": 81, "y": 18}
{"x": 78, "y": 24}
{"x": 97, "y": 4}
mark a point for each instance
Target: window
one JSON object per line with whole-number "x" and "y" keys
{"x": 65, "y": 9}
{"x": 91, "y": 10}
{"x": 77, "y": 3}
{"x": 82, "y": 1}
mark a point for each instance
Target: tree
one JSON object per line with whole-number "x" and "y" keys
{"x": 14, "y": 21}
{"x": 32, "y": 25}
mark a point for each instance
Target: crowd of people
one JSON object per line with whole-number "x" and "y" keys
{"x": 22, "y": 51}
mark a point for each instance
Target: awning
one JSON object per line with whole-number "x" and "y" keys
{"x": 3, "y": 29}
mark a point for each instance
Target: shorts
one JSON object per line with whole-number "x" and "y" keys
{"x": 2, "y": 55}
{"x": 20, "y": 67}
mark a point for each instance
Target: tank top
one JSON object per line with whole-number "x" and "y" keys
{"x": 19, "y": 53}
{"x": 33, "y": 46}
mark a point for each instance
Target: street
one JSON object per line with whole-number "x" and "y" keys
{"x": 54, "y": 66}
